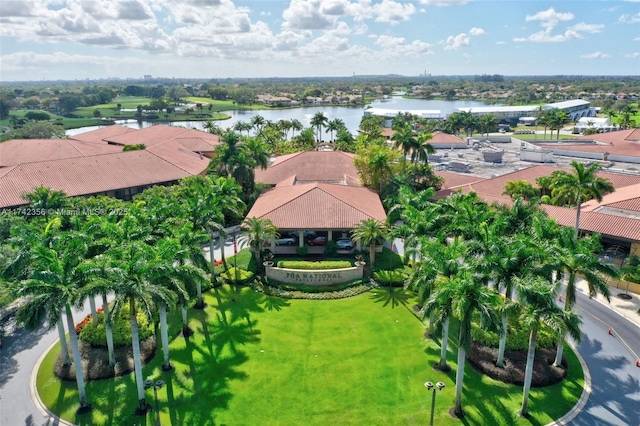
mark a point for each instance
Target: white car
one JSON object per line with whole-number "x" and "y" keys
{"x": 345, "y": 244}
{"x": 286, "y": 240}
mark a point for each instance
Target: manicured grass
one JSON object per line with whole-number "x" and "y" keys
{"x": 262, "y": 360}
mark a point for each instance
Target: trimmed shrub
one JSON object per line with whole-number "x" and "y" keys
{"x": 517, "y": 335}
{"x": 331, "y": 248}
{"x": 339, "y": 292}
{"x": 96, "y": 335}
{"x": 237, "y": 275}
{"x": 396, "y": 277}
{"x": 314, "y": 266}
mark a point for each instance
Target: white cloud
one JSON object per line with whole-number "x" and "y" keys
{"x": 456, "y": 42}
{"x": 393, "y": 12}
{"x": 309, "y": 15}
{"x": 636, "y": 39}
{"x": 443, "y": 2}
{"x": 629, "y": 19}
{"x": 397, "y": 46}
{"x": 633, "y": 55}
{"x": 549, "y": 17}
{"x": 501, "y": 42}
{"x": 587, "y": 28}
{"x": 595, "y": 55}
{"x": 545, "y": 36}
{"x": 475, "y": 31}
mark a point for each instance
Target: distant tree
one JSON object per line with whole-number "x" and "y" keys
{"x": 4, "y": 109}
{"x": 319, "y": 120}
{"x": 37, "y": 116}
{"x": 40, "y": 130}
{"x": 31, "y": 103}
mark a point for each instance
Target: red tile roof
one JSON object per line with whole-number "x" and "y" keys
{"x": 311, "y": 166}
{"x": 87, "y": 164}
{"x": 442, "y": 137}
{"x": 621, "y": 142}
{"x": 89, "y": 175}
{"x": 606, "y": 224}
{"x": 318, "y": 206}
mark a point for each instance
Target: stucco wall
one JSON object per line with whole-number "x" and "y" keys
{"x": 322, "y": 277}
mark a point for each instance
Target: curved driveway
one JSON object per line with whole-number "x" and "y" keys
{"x": 614, "y": 400}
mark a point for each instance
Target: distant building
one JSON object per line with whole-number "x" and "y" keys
{"x": 147, "y": 77}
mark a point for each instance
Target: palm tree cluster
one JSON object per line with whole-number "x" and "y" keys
{"x": 148, "y": 260}
{"x": 477, "y": 262}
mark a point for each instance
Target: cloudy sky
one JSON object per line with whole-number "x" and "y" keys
{"x": 78, "y": 39}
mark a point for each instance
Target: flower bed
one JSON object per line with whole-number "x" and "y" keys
{"x": 314, "y": 266}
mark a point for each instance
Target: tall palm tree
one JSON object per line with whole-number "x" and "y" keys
{"x": 370, "y": 232}
{"x": 580, "y": 185}
{"x": 461, "y": 298}
{"x": 424, "y": 148}
{"x": 259, "y": 230}
{"x": 54, "y": 283}
{"x": 574, "y": 257}
{"x": 243, "y": 126}
{"x": 487, "y": 122}
{"x": 334, "y": 125}
{"x": 319, "y": 120}
{"x": 132, "y": 272}
{"x": 539, "y": 307}
{"x": 258, "y": 122}
{"x": 405, "y": 139}
{"x": 296, "y": 126}
{"x": 258, "y": 151}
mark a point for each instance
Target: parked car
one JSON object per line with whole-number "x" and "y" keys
{"x": 317, "y": 241}
{"x": 345, "y": 244}
{"x": 286, "y": 240}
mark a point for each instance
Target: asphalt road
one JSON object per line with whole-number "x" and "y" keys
{"x": 615, "y": 379}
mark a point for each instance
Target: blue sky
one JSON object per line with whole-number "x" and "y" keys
{"x": 79, "y": 39}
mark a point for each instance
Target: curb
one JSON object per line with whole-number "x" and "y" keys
{"x": 35, "y": 396}
{"x": 586, "y": 391}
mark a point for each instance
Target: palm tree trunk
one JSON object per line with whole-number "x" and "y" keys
{"x": 108, "y": 331}
{"x": 200, "y": 302}
{"x": 558, "y": 361}
{"x": 528, "y": 373}
{"x": 503, "y": 340}
{"x": 372, "y": 255}
{"x": 137, "y": 360}
{"x": 63, "y": 342}
{"x": 77, "y": 359}
{"x": 213, "y": 258}
{"x": 164, "y": 335}
{"x": 445, "y": 342}
{"x": 94, "y": 313}
{"x": 459, "y": 380}
{"x": 577, "y": 227}
{"x": 186, "y": 331}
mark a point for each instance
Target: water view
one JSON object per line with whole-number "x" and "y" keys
{"x": 350, "y": 115}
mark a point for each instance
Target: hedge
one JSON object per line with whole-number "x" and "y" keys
{"x": 237, "y": 275}
{"x": 302, "y": 264}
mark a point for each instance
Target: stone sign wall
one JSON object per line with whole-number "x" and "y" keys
{"x": 316, "y": 277}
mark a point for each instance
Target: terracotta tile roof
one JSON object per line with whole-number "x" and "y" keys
{"x": 100, "y": 135}
{"x": 628, "y": 195}
{"x": 175, "y": 153}
{"x": 454, "y": 180}
{"x": 621, "y": 142}
{"x": 442, "y": 137}
{"x": 19, "y": 151}
{"x": 89, "y": 175}
{"x": 154, "y": 135}
{"x": 318, "y": 206}
{"x": 310, "y": 166}
{"x": 606, "y": 224}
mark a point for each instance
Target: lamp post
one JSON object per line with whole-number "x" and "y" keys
{"x": 155, "y": 385}
{"x": 429, "y": 386}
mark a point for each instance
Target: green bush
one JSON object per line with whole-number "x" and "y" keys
{"x": 302, "y": 251}
{"x": 394, "y": 277}
{"x": 331, "y": 248}
{"x": 517, "y": 335}
{"x": 302, "y": 264}
{"x": 96, "y": 335}
{"x": 237, "y": 275}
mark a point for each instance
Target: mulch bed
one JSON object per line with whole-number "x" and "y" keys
{"x": 95, "y": 361}
{"x": 483, "y": 359}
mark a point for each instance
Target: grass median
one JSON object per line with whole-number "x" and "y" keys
{"x": 256, "y": 359}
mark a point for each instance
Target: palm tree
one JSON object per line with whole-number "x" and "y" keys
{"x": 258, "y": 151}
{"x": 502, "y": 260}
{"x": 45, "y": 199}
{"x": 580, "y": 185}
{"x": 520, "y": 189}
{"x": 259, "y": 230}
{"x": 257, "y": 122}
{"x": 334, "y": 125}
{"x": 539, "y": 307}
{"x": 405, "y": 139}
{"x": 370, "y": 232}
{"x": 296, "y": 126}
{"x": 133, "y": 275}
{"x": 318, "y": 121}
{"x": 461, "y": 298}
{"x": 487, "y": 122}
{"x": 424, "y": 148}
{"x": 243, "y": 126}
{"x": 54, "y": 283}
{"x": 574, "y": 257}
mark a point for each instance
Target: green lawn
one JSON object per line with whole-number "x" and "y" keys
{"x": 258, "y": 360}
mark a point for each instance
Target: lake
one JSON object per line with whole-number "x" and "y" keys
{"x": 350, "y": 115}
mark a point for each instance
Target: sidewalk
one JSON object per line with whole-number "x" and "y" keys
{"x": 627, "y": 308}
